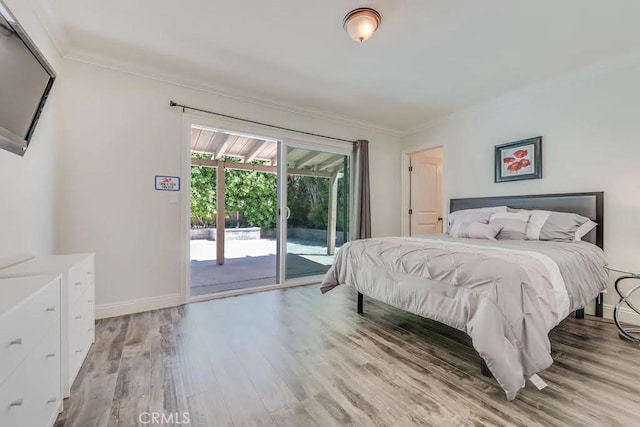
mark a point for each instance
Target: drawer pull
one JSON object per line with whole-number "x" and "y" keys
{"x": 50, "y": 309}
{"x": 54, "y": 400}
{"x": 90, "y": 329}
{"x": 16, "y": 341}
{"x": 78, "y": 283}
{"x": 79, "y": 350}
{"x": 78, "y": 317}
{"x": 16, "y": 403}
{"x": 89, "y": 300}
{"x": 90, "y": 273}
{"x": 51, "y": 355}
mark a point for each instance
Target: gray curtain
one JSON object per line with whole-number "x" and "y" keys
{"x": 361, "y": 221}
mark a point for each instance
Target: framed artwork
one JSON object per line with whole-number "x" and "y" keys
{"x": 519, "y": 160}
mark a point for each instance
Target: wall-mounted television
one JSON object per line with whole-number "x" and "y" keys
{"x": 25, "y": 81}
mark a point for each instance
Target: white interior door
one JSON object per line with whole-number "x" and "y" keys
{"x": 425, "y": 208}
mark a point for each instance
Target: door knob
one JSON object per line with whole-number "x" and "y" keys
{"x": 439, "y": 218}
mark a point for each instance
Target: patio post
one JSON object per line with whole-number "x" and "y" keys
{"x": 333, "y": 209}
{"x": 220, "y": 213}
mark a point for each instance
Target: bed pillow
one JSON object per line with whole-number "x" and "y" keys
{"x": 556, "y": 226}
{"x": 514, "y": 224}
{"x": 475, "y": 230}
{"x": 560, "y": 228}
{"x": 463, "y": 215}
{"x": 584, "y": 229}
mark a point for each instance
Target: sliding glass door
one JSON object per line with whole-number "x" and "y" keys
{"x": 314, "y": 189}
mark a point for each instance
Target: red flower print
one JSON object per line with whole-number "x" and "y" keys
{"x": 525, "y": 162}
{"x": 514, "y": 167}
{"x": 521, "y": 153}
{"x": 509, "y": 159}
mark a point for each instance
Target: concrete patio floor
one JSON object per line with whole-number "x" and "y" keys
{"x": 252, "y": 263}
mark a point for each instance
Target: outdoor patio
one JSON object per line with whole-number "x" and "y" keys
{"x": 252, "y": 263}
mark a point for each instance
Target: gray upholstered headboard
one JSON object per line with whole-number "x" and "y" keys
{"x": 590, "y": 205}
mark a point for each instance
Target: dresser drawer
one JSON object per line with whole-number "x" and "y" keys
{"x": 17, "y": 401}
{"x": 22, "y": 327}
{"x": 79, "y": 279}
{"x": 46, "y": 362}
{"x": 81, "y": 331}
{"x": 31, "y": 394}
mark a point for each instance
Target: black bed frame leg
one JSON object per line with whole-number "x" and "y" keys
{"x": 600, "y": 305}
{"x": 484, "y": 369}
{"x": 580, "y": 313}
{"x": 360, "y": 303}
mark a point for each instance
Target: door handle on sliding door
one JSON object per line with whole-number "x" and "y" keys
{"x": 288, "y": 213}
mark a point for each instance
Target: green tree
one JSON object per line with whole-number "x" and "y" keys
{"x": 251, "y": 198}
{"x": 253, "y": 194}
{"x": 203, "y": 193}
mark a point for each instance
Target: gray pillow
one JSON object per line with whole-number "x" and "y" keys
{"x": 514, "y": 224}
{"x": 556, "y": 226}
{"x": 475, "y": 230}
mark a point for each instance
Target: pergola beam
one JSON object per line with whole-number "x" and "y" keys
{"x": 251, "y": 156}
{"x": 258, "y": 168}
{"x": 307, "y": 159}
{"x": 231, "y": 139}
{"x": 330, "y": 162}
{"x": 220, "y": 214}
{"x": 217, "y": 141}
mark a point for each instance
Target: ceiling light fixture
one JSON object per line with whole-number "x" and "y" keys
{"x": 361, "y": 23}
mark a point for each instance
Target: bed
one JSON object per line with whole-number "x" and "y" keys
{"x": 506, "y": 295}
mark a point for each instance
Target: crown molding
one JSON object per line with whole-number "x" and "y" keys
{"x": 118, "y": 65}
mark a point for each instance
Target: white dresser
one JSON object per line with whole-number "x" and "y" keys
{"x": 30, "y": 349}
{"x": 77, "y": 305}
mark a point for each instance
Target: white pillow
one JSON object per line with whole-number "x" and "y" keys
{"x": 584, "y": 229}
{"x": 475, "y": 230}
{"x": 452, "y": 215}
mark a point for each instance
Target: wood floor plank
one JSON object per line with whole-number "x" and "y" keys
{"x": 208, "y": 409}
{"x": 295, "y": 357}
{"x": 242, "y": 400}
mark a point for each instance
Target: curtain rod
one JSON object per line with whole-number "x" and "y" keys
{"x": 186, "y": 107}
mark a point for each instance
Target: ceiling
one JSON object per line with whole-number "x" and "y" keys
{"x": 429, "y": 58}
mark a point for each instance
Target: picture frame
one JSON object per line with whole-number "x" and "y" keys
{"x": 519, "y": 160}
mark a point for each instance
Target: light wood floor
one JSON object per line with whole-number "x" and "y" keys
{"x": 295, "y": 357}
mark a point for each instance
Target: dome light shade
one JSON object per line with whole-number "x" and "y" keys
{"x": 361, "y": 23}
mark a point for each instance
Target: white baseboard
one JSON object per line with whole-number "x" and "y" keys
{"x": 626, "y": 314}
{"x": 137, "y": 306}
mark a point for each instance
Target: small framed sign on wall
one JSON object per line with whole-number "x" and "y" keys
{"x": 167, "y": 183}
{"x": 519, "y": 160}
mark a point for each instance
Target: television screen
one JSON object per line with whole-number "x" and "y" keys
{"x": 25, "y": 81}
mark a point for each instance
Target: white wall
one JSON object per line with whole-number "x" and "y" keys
{"x": 26, "y": 197}
{"x": 119, "y": 132}
{"x": 591, "y": 127}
